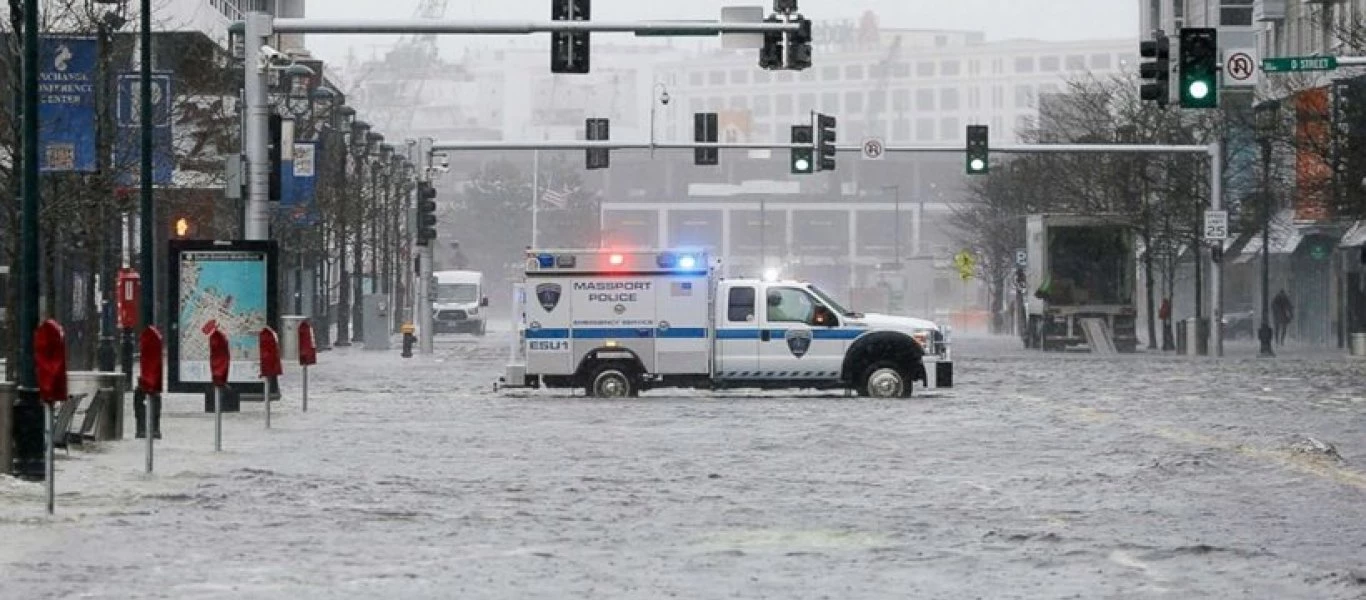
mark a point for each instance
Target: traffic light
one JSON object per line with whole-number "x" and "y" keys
{"x": 979, "y": 159}
{"x": 799, "y": 46}
{"x": 705, "y": 130}
{"x": 1156, "y": 74}
{"x": 597, "y": 130}
{"x": 426, "y": 213}
{"x": 801, "y": 157}
{"x": 275, "y": 146}
{"x": 825, "y": 133}
{"x": 771, "y": 53}
{"x": 569, "y": 50}
{"x": 1199, "y": 67}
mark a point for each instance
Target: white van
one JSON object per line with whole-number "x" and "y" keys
{"x": 458, "y": 302}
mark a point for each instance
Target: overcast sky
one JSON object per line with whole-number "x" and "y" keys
{"x": 1000, "y": 19}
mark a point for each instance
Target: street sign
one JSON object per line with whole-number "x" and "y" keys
{"x": 1240, "y": 67}
{"x": 742, "y": 14}
{"x": 874, "y": 149}
{"x": 1216, "y": 225}
{"x": 1021, "y": 257}
{"x": 1293, "y": 64}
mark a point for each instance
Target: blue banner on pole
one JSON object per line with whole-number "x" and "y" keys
{"x": 66, "y": 104}
{"x": 128, "y": 142}
{"x": 299, "y": 197}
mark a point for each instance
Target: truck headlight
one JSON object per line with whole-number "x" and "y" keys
{"x": 474, "y": 311}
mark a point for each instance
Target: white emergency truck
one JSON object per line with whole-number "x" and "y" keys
{"x": 615, "y": 323}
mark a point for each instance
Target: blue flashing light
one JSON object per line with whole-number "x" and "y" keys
{"x": 687, "y": 262}
{"x": 546, "y": 260}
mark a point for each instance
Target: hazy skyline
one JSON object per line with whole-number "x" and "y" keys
{"x": 999, "y": 19}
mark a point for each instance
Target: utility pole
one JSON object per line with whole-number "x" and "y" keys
{"x": 424, "y": 259}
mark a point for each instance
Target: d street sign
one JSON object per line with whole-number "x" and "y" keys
{"x": 1293, "y": 64}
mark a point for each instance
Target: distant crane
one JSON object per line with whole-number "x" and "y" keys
{"x": 884, "y": 68}
{"x": 393, "y": 86}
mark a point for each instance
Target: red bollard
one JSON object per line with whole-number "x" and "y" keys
{"x": 150, "y": 379}
{"x": 308, "y": 356}
{"x": 271, "y": 367}
{"x": 49, "y": 354}
{"x": 220, "y": 361}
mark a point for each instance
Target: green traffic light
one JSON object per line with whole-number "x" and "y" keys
{"x": 802, "y": 165}
{"x": 1199, "y": 90}
{"x": 978, "y": 165}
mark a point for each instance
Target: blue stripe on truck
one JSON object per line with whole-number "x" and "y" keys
{"x": 680, "y": 333}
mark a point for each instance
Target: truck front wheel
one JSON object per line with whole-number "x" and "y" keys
{"x": 885, "y": 380}
{"x": 612, "y": 381}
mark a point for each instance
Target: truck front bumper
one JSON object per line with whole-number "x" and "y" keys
{"x": 938, "y": 373}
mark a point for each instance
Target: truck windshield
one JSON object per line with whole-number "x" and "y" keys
{"x": 835, "y": 306}
{"x": 456, "y": 292}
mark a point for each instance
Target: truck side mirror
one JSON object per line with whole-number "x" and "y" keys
{"x": 483, "y": 302}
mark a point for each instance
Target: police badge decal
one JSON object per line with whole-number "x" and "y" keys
{"x": 798, "y": 341}
{"x": 549, "y": 295}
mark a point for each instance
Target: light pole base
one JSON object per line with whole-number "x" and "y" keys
{"x": 1264, "y": 336}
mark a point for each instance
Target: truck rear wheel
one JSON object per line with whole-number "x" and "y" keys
{"x": 613, "y": 381}
{"x": 885, "y": 380}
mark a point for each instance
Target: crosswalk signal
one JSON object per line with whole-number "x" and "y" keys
{"x": 801, "y": 157}
{"x": 1199, "y": 67}
{"x": 979, "y": 151}
{"x": 705, "y": 130}
{"x": 825, "y": 134}
{"x": 1157, "y": 73}
{"x": 596, "y": 130}
{"x": 426, "y": 213}
{"x": 569, "y": 50}
{"x": 182, "y": 228}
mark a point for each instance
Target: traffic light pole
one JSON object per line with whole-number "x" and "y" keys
{"x": 425, "y": 257}
{"x": 1213, "y": 151}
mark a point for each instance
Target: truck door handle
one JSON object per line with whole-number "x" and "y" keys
{"x": 764, "y": 335}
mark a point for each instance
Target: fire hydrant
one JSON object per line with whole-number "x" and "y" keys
{"x": 408, "y": 339}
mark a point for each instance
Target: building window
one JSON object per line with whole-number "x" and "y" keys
{"x": 1023, "y": 124}
{"x": 830, "y": 103}
{"x": 974, "y": 98}
{"x": 696, "y": 78}
{"x": 853, "y": 102}
{"x": 1049, "y": 64}
{"x": 924, "y": 129}
{"x": 948, "y": 99}
{"x": 924, "y": 99}
{"x": 763, "y": 131}
{"x": 716, "y": 78}
{"x": 1076, "y": 62}
{"x": 784, "y": 105}
{"x": 805, "y": 75}
{"x": 924, "y": 69}
{"x": 877, "y": 102}
{"x": 762, "y": 76}
{"x": 830, "y": 73}
{"x": 785, "y": 76}
{"x": 853, "y": 72}
{"x": 1024, "y": 64}
{"x": 950, "y": 68}
{"x": 1235, "y": 13}
{"x": 948, "y": 129}
{"x": 975, "y": 67}
{"x": 715, "y": 103}
{"x": 997, "y": 66}
{"x": 806, "y": 103}
{"x": 1100, "y": 61}
{"x": 739, "y": 102}
{"x": 902, "y": 70}
{"x": 739, "y": 77}
{"x": 763, "y": 105}
{"x": 901, "y": 130}
{"x": 901, "y": 100}
{"x": 998, "y": 97}
{"x": 1024, "y": 97}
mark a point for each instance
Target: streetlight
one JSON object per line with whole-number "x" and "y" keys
{"x": 297, "y": 82}
{"x": 664, "y": 100}
{"x": 1268, "y": 120}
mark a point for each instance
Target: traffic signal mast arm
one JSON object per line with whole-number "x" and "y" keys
{"x": 497, "y": 27}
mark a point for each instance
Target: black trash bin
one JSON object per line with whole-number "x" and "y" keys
{"x": 1181, "y": 337}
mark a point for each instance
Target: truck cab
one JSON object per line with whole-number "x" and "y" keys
{"x": 458, "y": 302}
{"x": 617, "y": 323}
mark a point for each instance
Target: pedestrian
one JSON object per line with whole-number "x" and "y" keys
{"x": 1164, "y": 314}
{"x": 1282, "y": 312}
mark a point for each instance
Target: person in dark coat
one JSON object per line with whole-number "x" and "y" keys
{"x": 1282, "y": 312}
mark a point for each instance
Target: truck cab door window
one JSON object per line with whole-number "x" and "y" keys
{"x": 740, "y": 305}
{"x": 790, "y": 305}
